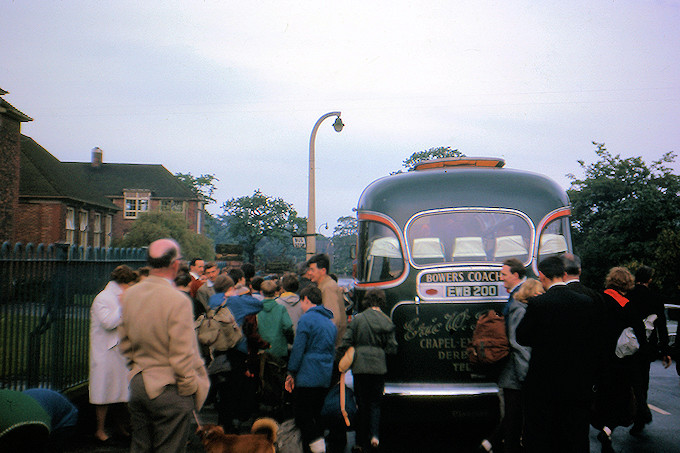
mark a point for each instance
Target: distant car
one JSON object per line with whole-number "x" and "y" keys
{"x": 672, "y": 316}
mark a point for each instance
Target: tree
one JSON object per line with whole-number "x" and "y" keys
{"x": 165, "y": 224}
{"x": 667, "y": 257}
{"x": 203, "y": 186}
{"x": 344, "y": 238}
{"x": 619, "y": 210}
{"x": 432, "y": 153}
{"x": 248, "y": 220}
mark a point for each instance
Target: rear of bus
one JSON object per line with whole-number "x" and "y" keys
{"x": 434, "y": 240}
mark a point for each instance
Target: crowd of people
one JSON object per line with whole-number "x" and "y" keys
{"x": 145, "y": 351}
{"x": 578, "y": 357}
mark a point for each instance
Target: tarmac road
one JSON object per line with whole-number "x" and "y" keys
{"x": 461, "y": 436}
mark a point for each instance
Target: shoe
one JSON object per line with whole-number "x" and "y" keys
{"x": 100, "y": 441}
{"x": 637, "y": 428}
{"x": 606, "y": 442}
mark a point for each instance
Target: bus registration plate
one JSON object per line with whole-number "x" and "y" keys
{"x": 472, "y": 291}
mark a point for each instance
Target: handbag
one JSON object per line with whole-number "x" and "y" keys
{"x": 338, "y": 399}
{"x": 627, "y": 344}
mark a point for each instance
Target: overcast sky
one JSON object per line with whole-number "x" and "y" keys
{"x": 233, "y": 88}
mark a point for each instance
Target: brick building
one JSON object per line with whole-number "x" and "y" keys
{"x": 90, "y": 203}
{"x": 10, "y": 133}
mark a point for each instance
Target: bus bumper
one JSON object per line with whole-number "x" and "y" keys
{"x": 437, "y": 401}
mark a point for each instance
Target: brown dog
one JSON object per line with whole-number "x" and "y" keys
{"x": 261, "y": 439}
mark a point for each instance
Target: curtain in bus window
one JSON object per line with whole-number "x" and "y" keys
{"x": 554, "y": 239}
{"x": 468, "y": 237}
{"x": 382, "y": 260}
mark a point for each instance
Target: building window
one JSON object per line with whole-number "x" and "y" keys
{"x": 136, "y": 202}
{"x": 172, "y": 205}
{"x": 108, "y": 230}
{"x": 83, "y": 227}
{"x": 97, "y": 230}
{"x": 70, "y": 225}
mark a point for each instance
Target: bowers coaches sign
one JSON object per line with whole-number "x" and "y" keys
{"x": 461, "y": 284}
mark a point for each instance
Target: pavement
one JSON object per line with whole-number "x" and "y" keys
{"x": 85, "y": 442}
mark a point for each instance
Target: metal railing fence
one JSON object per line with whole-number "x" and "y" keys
{"x": 45, "y": 296}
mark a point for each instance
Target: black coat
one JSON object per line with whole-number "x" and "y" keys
{"x": 561, "y": 328}
{"x": 644, "y": 302}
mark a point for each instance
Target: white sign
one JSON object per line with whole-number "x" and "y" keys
{"x": 299, "y": 242}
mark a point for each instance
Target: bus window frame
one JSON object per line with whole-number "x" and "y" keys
{"x": 559, "y": 213}
{"x": 477, "y": 209}
{"x": 394, "y": 227}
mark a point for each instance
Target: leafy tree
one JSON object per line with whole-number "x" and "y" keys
{"x": 203, "y": 186}
{"x": 344, "y": 238}
{"x": 432, "y": 153}
{"x": 667, "y": 257}
{"x": 248, "y": 220}
{"x": 619, "y": 210}
{"x": 165, "y": 224}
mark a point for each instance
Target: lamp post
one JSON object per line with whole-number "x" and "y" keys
{"x": 311, "y": 205}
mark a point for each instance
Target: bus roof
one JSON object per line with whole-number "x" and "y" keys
{"x": 402, "y": 195}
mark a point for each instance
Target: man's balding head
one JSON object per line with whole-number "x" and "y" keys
{"x": 162, "y": 253}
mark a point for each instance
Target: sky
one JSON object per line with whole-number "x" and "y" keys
{"x": 234, "y": 89}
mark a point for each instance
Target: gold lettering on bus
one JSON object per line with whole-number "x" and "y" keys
{"x": 416, "y": 329}
{"x": 461, "y": 277}
{"x": 443, "y": 277}
{"x": 437, "y": 343}
{"x": 457, "y": 321}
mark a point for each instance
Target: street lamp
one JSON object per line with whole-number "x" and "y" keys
{"x": 311, "y": 205}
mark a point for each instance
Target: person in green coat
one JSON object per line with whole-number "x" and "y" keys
{"x": 371, "y": 333}
{"x": 274, "y": 323}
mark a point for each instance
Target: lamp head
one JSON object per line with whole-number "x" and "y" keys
{"x": 337, "y": 125}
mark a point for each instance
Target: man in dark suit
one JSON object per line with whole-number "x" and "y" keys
{"x": 572, "y": 277}
{"x": 560, "y": 328}
{"x": 645, "y": 302}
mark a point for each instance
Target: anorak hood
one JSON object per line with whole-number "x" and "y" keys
{"x": 291, "y": 299}
{"x": 268, "y": 305}
{"x": 323, "y": 311}
{"x": 380, "y": 322}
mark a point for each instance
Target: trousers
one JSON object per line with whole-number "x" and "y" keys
{"x": 159, "y": 425}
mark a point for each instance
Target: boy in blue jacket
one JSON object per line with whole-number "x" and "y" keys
{"x": 310, "y": 366}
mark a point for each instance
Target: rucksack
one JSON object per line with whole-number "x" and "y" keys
{"x": 218, "y": 329}
{"x": 489, "y": 344}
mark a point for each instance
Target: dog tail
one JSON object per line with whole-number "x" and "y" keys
{"x": 267, "y": 426}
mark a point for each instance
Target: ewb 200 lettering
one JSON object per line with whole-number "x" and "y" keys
{"x": 472, "y": 291}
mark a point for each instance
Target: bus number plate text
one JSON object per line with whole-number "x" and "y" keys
{"x": 472, "y": 291}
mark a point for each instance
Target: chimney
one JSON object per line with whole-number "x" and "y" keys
{"x": 97, "y": 157}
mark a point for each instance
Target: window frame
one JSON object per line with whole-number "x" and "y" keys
{"x": 83, "y": 227}
{"x": 70, "y": 226}
{"x": 108, "y": 230}
{"x": 392, "y": 226}
{"x": 97, "y": 230}
{"x": 141, "y": 200}
{"x": 530, "y": 246}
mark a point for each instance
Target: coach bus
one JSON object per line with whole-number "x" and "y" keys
{"x": 434, "y": 240}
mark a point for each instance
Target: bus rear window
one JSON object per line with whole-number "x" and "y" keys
{"x": 468, "y": 236}
{"x": 382, "y": 260}
{"x": 554, "y": 238}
